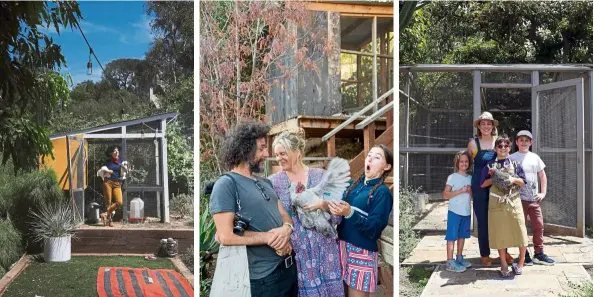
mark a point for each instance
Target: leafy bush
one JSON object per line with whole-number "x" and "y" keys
{"x": 208, "y": 247}
{"x": 408, "y": 238}
{"x": 11, "y": 248}
{"x": 188, "y": 258}
{"x": 26, "y": 191}
{"x": 183, "y": 205}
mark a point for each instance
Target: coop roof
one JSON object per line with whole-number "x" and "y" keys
{"x": 154, "y": 118}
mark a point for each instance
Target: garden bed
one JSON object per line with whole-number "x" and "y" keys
{"x": 77, "y": 277}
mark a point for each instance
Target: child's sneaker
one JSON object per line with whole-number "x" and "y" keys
{"x": 452, "y": 266}
{"x": 461, "y": 261}
{"x": 543, "y": 259}
{"x": 527, "y": 260}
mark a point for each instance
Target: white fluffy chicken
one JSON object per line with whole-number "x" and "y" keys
{"x": 331, "y": 188}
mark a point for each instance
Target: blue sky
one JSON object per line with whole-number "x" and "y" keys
{"x": 114, "y": 30}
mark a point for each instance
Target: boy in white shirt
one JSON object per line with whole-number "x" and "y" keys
{"x": 533, "y": 167}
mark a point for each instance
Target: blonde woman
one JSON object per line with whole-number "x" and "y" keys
{"x": 317, "y": 256}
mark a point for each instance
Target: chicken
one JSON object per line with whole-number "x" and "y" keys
{"x": 331, "y": 188}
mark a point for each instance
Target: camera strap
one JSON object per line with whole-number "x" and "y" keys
{"x": 236, "y": 191}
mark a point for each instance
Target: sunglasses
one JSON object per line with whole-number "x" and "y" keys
{"x": 261, "y": 188}
{"x": 502, "y": 146}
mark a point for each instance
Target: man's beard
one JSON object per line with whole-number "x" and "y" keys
{"x": 255, "y": 166}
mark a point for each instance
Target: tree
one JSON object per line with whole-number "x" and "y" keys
{"x": 173, "y": 49}
{"x": 246, "y": 47}
{"x": 29, "y": 89}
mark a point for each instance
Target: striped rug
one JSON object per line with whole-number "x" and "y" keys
{"x": 141, "y": 282}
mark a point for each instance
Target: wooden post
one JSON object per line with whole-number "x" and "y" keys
{"x": 374, "y": 47}
{"x": 368, "y": 137}
{"x": 359, "y": 95}
{"x": 385, "y": 76}
{"x": 332, "y": 146}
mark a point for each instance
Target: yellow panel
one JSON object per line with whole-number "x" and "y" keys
{"x": 60, "y": 162}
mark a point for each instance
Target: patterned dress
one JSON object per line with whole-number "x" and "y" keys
{"x": 317, "y": 256}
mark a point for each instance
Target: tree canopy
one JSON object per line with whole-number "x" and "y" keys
{"x": 29, "y": 87}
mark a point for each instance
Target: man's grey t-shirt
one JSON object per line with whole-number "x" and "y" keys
{"x": 264, "y": 215}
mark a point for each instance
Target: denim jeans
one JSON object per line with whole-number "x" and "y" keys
{"x": 282, "y": 282}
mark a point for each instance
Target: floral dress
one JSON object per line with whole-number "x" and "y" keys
{"x": 506, "y": 216}
{"x": 317, "y": 256}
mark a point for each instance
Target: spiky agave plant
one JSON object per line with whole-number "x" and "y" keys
{"x": 54, "y": 219}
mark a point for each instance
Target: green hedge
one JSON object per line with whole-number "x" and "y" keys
{"x": 11, "y": 248}
{"x": 408, "y": 238}
{"x": 24, "y": 191}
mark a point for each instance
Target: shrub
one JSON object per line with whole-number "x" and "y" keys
{"x": 188, "y": 258}
{"x": 408, "y": 238}
{"x": 183, "y": 205}
{"x": 54, "y": 219}
{"x": 24, "y": 192}
{"x": 11, "y": 248}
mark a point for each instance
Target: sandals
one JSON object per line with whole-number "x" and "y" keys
{"x": 505, "y": 274}
{"x": 516, "y": 270}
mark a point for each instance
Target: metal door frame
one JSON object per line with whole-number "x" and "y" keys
{"x": 578, "y": 83}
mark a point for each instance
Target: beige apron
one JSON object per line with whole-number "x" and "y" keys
{"x": 506, "y": 217}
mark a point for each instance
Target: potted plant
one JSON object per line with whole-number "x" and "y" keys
{"x": 54, "y": 225}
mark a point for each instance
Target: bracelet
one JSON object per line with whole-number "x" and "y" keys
{"x": 290, "y": 226}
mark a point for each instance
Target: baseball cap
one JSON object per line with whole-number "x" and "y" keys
{"x": 525, "y": 133}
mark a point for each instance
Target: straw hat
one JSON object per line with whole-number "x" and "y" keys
{"x": 486, "y": 116}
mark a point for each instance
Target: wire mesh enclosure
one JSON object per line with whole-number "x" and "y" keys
{"x": 438, "y": 104}
{"x": 142, "y": 143}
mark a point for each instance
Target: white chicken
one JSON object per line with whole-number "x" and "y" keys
{"x": 331, "y": 188}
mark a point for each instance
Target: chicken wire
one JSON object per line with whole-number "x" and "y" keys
{"x": 440, "y": 112}
{"x": 557, "y": 141}
{"x": 145, "y": 178}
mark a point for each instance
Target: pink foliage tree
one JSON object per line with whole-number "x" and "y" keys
{"x": 245, "y": 49}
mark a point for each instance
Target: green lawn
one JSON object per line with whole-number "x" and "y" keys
{"x": 75, "y": 278}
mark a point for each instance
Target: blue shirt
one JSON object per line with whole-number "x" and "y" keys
{"x": 365, "y": 226}
{"x": 116, "y": 175}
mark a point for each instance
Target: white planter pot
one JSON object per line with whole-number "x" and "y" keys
{"x": 57, "y": 249}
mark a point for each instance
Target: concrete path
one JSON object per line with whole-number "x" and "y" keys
{"x": 570, "y": 253}
{"x": 536, "y": 280}
{"x": 431, "y": 250}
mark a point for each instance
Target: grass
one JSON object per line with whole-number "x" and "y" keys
{"x": 75, "y": 278}
{"x": 580, "y": 290}
{"x": 413, "y": 280}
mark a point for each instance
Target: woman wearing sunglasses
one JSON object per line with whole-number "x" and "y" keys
{"x": 507, "y": 228}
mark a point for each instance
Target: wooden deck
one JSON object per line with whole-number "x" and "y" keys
{"x": 318, "y": 126}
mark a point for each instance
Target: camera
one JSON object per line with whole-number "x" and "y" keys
{"x": 240, "y": 224}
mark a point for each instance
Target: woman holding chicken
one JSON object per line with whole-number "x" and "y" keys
{"x": 506, "y": 216}
{"x": 317, "y": 255}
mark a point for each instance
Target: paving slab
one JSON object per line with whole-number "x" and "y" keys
{"x": 485, "y": 282}
{"x": 431, "y": 250}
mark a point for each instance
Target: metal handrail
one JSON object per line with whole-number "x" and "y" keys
{"x": 357, "y": 115}
{"x": 375, "y": 115}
